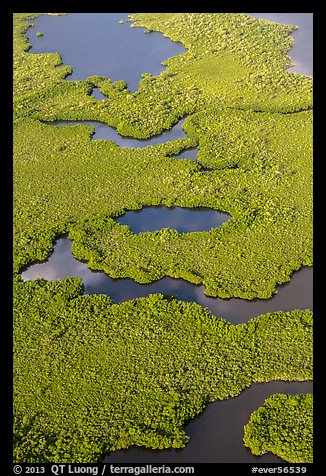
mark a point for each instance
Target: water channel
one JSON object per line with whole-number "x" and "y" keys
{"x": 105, "y": 132}
{"x": 296, "y": 294}
{"x": 96, "y": 43}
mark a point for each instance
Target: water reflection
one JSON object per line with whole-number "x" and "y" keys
{"x": 97, "y": 44}
{"x": 297, "y": 294}
{"x": 181, "y": 219}
{"x": 103, "y": 131}
{"x": 216, "y": 435}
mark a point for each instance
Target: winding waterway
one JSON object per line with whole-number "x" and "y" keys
{"x": 296, "y": 294}
{"x": 97, "y": 44}
{"x": 188, "y": 154}
{"x": 105, "y": 132}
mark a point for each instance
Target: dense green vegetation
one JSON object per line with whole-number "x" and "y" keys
{"x": 260, "y": 173}
{"x": 92, "y": 376}
{"x": 283, "y": 426}
{"x": 233, "y": 59}
{"x": 269, "y": 226}
{"x": 268, "y": 195}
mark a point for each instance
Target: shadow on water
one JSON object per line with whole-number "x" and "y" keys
{"x": 297, "y": 294}
{"x": 97, "y": 44}
{"x": 216, "y": 435}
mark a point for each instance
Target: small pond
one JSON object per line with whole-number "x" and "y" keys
{"x": 183, "y": 220}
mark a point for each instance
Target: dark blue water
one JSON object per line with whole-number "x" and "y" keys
{"x": 216, "y": 435}
{"x": 183, "y": 220}
{"x": 97, "y": 44}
